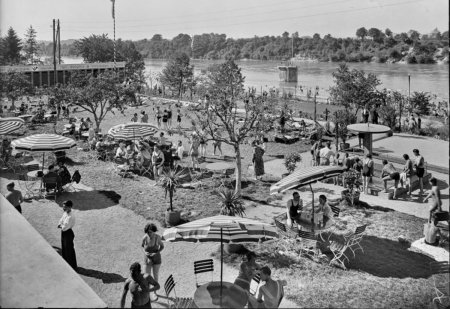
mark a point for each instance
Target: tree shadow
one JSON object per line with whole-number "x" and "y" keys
{"x": 87, "y": 200}
{"x": 105, "y": 277}
{"x": 389, "y": 259}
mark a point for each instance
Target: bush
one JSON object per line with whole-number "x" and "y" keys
{"x": 395, "y": 54}
{"x": 411, "y": 59}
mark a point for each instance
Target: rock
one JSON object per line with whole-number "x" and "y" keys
{"x": 402, "y": 239}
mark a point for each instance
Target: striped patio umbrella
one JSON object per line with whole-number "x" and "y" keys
{"x": 132, "y": 131}
{"x": 306, "y": 176}
{"x": 11, "y": 124}
{"x": 223, "y": 229}
{"x": 43, "y": 142}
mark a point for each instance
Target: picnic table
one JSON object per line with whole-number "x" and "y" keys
{"x": 208, "y": 295}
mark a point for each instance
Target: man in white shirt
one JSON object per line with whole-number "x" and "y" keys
{"x": 325, "y": 154}
{"x": 66, "y": 224}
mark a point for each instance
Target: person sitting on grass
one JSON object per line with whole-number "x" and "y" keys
{"x": 139, "y": 287}
{"x": 247, "y": 270}
{"x": 390, "y": 173}
{"x": 64, "y": 173}
{"x": 269, "y": 294}
{"x": 432, "y": 233}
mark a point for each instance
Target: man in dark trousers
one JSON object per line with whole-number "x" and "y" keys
{"x": 14, "y": 196}
{"x": 66, "y": 224}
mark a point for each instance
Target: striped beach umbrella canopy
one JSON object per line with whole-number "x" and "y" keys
{"x": 10, "y": 124}
{"x": 132, "y": 131}
{"x": 223, "y": 229}
{"x": 43, "y": 142}
{"x": 306, "y": 176}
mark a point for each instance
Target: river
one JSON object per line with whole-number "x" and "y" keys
{"x": 433, "y": 78}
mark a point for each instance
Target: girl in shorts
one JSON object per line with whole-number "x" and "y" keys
{"x": 179, "y": 118}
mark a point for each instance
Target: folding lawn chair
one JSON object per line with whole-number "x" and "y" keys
{"x": 440, "y": 274}
{"x": 176, "y": 302}
{"x": 53, "y": 183}
{"x": 203, "y": 266}
{"x": 353, "y": 239}
{"x": 287, "y": 237}
{"x": 336, "y": 210}
{"x": 308, "y": 243}
{"x": 338, "y": 249}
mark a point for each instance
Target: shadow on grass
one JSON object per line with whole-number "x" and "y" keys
{"x": 105, "y": 277}
{"x": 87, "y": 200}
{"x": 389, "y": 259}
{"x": 365, "y": 205}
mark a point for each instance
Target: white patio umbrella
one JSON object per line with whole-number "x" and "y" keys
{"x": 43, "y": 143}
{"x": 306, "y": 176}
{"x": 132, "y": 131}
{"x": 223, "y": 229}
{"x": 10, "y": 124}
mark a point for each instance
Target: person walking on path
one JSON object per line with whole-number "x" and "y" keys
{"x": 152, "y": 246}
{"x": 367, "y": 171}
{"x": 258, "y": 162}
{"x": 179, "y": 118}
{"x": 315, "y": 152}
{"x": 435, "y": 194}
{"x": 158, "y": 117}
{"x": 66, "y": 224}
{"x": 139, "y": 287}
{"x": 144, "y": 117}
{"x": 193, "y": 150}
{"x": 14, "y": 196}
{"x": 419, "y": 165}
{"x": 217, "y": 143}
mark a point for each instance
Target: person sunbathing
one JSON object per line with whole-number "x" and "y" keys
{"x": 268, "y": 295}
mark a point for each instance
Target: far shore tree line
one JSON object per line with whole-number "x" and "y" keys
{"x": 368, "y": 45}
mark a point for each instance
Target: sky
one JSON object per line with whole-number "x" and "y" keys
{"x": 139, "y": 19}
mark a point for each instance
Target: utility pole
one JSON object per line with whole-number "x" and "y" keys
{"x": 114, "y": 25}
{"x": 54, "y": 54}
{"x": 315, "y": 103}
{"x": 58, "y": 35}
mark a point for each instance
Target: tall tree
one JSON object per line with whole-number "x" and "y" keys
{"x": 353, "y": 88}
{"x": 31, "y": 47}
{"x": 177, "y": 73}
{"x": 14, "y": 85}
{"x": 12, "y": 47}
{"x": 224, "y": 88}
{"x": 99, "y": 95}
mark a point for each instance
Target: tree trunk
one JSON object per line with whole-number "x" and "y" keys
{"x": 170, "y": 199}
{"x": 237, "y": 151}
{"x": 12, "y": 105}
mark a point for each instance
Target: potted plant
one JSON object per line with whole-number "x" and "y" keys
{"x": 170, "y": 180}
{"x": 290, "y": 161}
{"x": 231, "y": 204}
{"x": 352, "y": 182}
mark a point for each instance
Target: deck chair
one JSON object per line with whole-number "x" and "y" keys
{"x": 338, "y": 250}
{"x": 287, "y": 236}
{"x": 53, "y": 181}
{"x": 353, "y": 239}
{"x": 175, "y": 302}
{"x": 440, "y": 274}
{"x": 308, "y": 242}
{"x": 203, "y": 266}
{"x": 256, "y": 279}
{"x": 336, "y": 210}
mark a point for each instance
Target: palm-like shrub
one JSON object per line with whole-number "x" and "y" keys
{"x": 170, "y": 180}
{"x": 231, "y": 203}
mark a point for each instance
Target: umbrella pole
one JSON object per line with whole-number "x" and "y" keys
{"x": 221, "y": 265}
{"x": 312, "y": 218}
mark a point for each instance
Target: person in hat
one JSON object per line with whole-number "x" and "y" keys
{"x": 66, "y": 224}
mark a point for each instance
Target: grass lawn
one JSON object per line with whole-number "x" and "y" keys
{"x": 386, "y": 275}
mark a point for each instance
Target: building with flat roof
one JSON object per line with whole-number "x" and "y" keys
{"x": 44, "y": 75}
